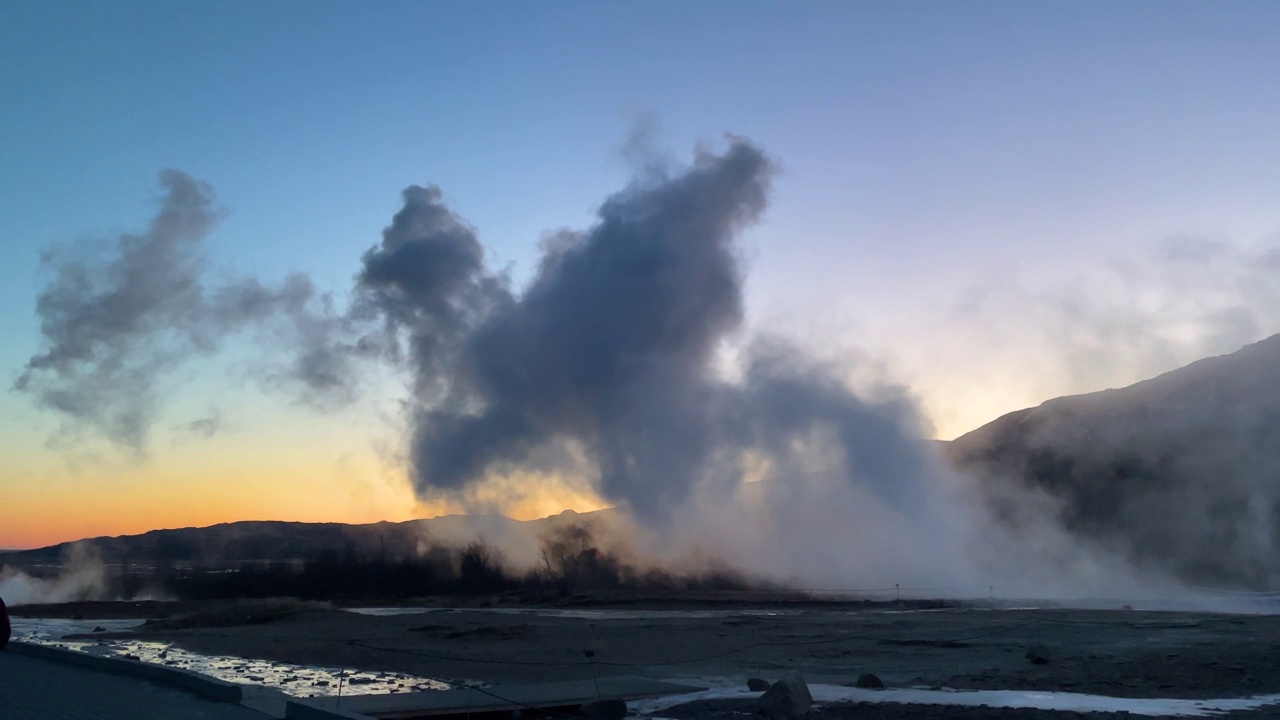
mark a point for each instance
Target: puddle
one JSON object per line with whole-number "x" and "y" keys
{"x": 296, "y": 680}
{"x": 1060, "y": 701}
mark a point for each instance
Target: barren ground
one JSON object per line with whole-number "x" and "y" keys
{"x": 1123, "y": 653}
{"x": 1120, "y": 653}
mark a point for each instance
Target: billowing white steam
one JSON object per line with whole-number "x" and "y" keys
{"x": 610, "y": 350}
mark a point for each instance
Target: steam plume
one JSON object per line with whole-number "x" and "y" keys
{"x": 611, "y": 345}
{"x": 114, "y": 325}
{"x": 611, "y": 350}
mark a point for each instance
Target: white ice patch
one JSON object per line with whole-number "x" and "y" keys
{"x": 1061, "y": 701}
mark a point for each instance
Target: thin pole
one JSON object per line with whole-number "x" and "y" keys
{"x": 595, "y": 675}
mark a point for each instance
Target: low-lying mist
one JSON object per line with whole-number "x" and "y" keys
{"x": 573, "y": 561}
{"x": 80, "y": 576}
{"x": 608, "y": 367}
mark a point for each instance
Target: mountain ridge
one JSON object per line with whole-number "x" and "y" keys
{"x": 1179, "y": 473}
{"x": 249, "y": 540}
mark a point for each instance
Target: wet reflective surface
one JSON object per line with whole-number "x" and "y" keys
{"x": 296, "y": 680}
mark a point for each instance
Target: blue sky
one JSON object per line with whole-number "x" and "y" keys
{"x": 927, "y": 147}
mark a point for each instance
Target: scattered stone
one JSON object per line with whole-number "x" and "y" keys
{"x": 787, "y": 698}
{"x": 605, "y": 710}
{"x": 131, "y": 656}
{"x": 869, "y": 681}
{"x": 1038, "y": 655}
{"x": 757, "y": 684}
{"x": 254, "y": 678}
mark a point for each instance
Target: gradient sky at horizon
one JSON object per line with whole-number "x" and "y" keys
{"x": 975, "y": 197}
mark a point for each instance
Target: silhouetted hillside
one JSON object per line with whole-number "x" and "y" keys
{"x": 1180, "y": 472}
{"x": 234, "y": 543}
{"x": 380, "y": 562}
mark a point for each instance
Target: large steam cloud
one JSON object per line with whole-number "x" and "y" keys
{"x": 612, "y": 351}
{"x": 611, "y": 348}
{"x": 611, "y": 345}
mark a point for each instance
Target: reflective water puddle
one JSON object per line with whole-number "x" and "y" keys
{"x": 296, "y": 680}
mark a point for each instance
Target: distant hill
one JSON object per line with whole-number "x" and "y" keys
{"x": 231, "y": 543}
{"x": 1180, "y": 472}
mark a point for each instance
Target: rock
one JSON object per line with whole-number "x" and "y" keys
{"x": 99, "y": 628}
{"x": 867, "y": 680}
{"x": 604, "y": 710}
{"x": 787, "y": 698}
{"x": 1038, "y": 655}
{"x": 757, "y": 685}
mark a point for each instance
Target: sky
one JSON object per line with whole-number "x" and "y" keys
{"x": 992, "y": 203}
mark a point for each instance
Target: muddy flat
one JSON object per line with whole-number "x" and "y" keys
{"x": 1120, "y": 653}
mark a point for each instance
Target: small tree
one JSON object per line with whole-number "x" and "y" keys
{"x": 480, "y": 569}
{"x": 566, "y": 555}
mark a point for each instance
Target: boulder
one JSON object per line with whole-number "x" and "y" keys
{"x": 604, "y": 710}
{"x": 757, "y": 685}
{"x": 1037, "y": 655}
{"x": 869, "y": 681}
{"x": 787, "y": 698}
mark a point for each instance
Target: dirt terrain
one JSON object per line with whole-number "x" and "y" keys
{"x": 1122, "y": 653}
{"x": 737, "y": 710}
